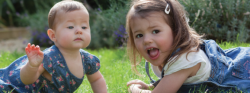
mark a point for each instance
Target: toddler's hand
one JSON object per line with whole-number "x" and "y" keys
{"x": 135, "y": 88}
{"x": 138, "y": 82}
{"x": 35, "y": 55}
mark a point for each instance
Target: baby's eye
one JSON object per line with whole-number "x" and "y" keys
{"x": 70, "y": 27}
{"x": 84, "y": 27}
{"x": 138, "y": 36}
{"x": 155, "y": 31}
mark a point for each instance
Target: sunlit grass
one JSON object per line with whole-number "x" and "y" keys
{"x": 115, "y": 67}
{"x": 116, "y": 70}
{"x": 227, "y": 45}
{"x": 6, "y": 58}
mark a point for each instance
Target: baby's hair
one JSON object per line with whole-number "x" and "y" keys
{"x": 65, "y": 6}
{"x": 184, "y": 37}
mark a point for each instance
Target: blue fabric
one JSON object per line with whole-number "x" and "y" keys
{"x": 230, "y": 70}
{"x": 63, "y": 80}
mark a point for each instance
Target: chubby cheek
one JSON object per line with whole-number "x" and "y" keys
{"x": 64, "y": 38}
{"x": 64, "y": 41}
{"x": 86, "y": 42}
{"x": 87, "y": 37}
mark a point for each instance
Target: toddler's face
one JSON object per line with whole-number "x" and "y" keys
{"x": 72, "y": 29}
{"x": 152, "y": 37}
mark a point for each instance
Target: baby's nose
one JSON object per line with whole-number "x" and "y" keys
{"x": 78, "y": 31}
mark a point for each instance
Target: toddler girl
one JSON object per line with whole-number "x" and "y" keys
{"x": 60, "y": 68}
{"x": 159, "y": 32}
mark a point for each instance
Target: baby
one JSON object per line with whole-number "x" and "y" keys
{"x": 60, "y": 68}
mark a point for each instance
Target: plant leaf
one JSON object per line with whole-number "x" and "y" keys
{"x": 10, "y": 6}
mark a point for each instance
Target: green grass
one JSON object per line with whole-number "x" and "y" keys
{"x": 116, "y": 70}
{"x": 115, "y": 67}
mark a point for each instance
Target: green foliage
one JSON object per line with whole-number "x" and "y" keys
{"x": 108, "y": 26}
{"x": 38, "y": 18}
{"x": 38, "y": 22}
{"x": 13, "y": 12}
{"x": 9, "y": 11}
{"x": 221, "y": 20}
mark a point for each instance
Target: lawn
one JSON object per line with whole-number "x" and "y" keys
{"x": 115, "y": 67}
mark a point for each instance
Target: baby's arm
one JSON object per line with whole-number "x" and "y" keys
{"x": 97, "y": 82}
{"x": 33, "y": 69}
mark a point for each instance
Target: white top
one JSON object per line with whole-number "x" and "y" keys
{"x": 182, "y": 63}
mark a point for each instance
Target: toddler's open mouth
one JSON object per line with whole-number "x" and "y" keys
{"x": 153, "y": 53}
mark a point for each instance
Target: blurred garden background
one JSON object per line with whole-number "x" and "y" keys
{"x": 25, "y": 21}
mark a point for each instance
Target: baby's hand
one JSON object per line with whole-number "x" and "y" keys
{"x": 35, "y": 55}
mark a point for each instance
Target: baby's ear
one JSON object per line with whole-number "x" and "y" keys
{"x": 51, "y": 34}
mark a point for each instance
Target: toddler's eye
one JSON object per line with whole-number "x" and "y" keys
{"x": 70, "y": 27}
{"x": 84, "y": 27}
{"x": 138, "y": 36}
{"x": 155, "y": 31}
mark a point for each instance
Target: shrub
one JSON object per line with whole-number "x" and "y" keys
{"x": 12, "y": 12}
{"x": 38, "y": 24}
{"x": 108, "y": 26}
{"x": 32, "y": 13}
{"x": 222, "y": 20}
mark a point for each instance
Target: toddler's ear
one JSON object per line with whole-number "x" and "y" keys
{"x": 51, "y": 34}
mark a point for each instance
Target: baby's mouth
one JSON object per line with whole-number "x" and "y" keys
{"x": 78, "y": 39}
{"x": 153, "y": 52}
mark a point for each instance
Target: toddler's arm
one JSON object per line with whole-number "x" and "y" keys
{"x": 33, "y": 69}
{"x": 97, "y": 82}
{"x": 168, "y": 84}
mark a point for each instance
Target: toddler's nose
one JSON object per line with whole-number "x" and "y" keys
{"x": 147, "y": 40}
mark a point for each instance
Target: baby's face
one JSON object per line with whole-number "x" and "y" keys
{"x": 72, "y": 30}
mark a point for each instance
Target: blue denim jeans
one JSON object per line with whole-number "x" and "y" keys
{"x": 230, "y": 70}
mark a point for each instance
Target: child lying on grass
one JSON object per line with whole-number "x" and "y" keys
{"x": 62, "y": 67}
{"x": 159, "y": 32}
